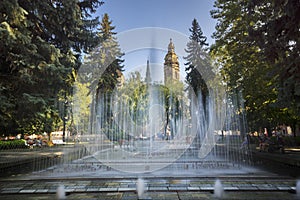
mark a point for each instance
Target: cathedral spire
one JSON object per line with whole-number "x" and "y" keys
{"x": 148, "y": 76}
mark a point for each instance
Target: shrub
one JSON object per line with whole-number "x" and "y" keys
{"x": 12, "y": 144}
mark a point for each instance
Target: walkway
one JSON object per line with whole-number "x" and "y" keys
{"x": 201, "y": 187}
{"x": 156, "y": 188}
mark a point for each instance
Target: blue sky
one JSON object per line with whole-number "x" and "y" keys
{"x": 172, "y": 15}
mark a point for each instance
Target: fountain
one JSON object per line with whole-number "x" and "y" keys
{"x": 145, "y": 128}
{"x": 298, "y": 188}
{"x": 218, "y": 189}
{"x": 144, "y": 131}
{"x": 60, "y": 192}
{"x": 140, "y": 188}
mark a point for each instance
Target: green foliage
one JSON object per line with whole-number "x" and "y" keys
{"x": 136, "y": 95}
{"x": 198, "y": 66}
{"x": 103, "y": 69}
{"x": 12, "y": 144}
{"x": 245, "y": 64}
{"x": 174, "y": 100}
{"x": 276, "y": 31}
{"x": 106, "y": 30}
{"x": 41, "y": 43}
{"x": 82, "y": 102}
{"x": 104, "y": 62}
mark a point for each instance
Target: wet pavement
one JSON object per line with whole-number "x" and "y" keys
{"x": 251, "y": 186}
{"x": 155, "y": 188}
{"x": 159, "y": 196}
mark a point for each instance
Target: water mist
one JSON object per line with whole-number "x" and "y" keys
{"x": 140, "y": 188}
{"x": 218, "y": 189}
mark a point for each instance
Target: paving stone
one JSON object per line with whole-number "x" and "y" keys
{"x": 206, "y": 185}
{"x": 194, "y": 195}
{"x": 193, "y": 188}
{"x": 107, "y": 196}
{"x": 93, "y": 189}
{"x": 266, "y": 187}
{"x": 14, "y": 188}
{"x": 126, "y": 181}
{"x": 69, "y": 189}
{"x": 123, "y": 185}
{"x": 129, "y": 196}
{"x": 52, "y": 190}
{"x": 70, "y": 184}
{"x": 108, "y": 189}
{"x": 176, "y": 188}
{"x": 194, "y": 185}
{"x": 41, "y": 191}
{"x": 80, "y": 190}
{"x": 27, "y": 191}
{"x": 83, "y": 182}
{"x": 79, "y": 186}
{"x": 8, "y": 192}
{"x": 158, "y": 188}
{"x": 131, "y": 185}
{"x": 114, "y": 184}
{"x": 272, "y": 189}
{"x": 255, "y": 185}
{"x": 179, "y": 185}
{"x": 247, "y": 188}
{"x": 284, "y": 188}
{"x": 126, "y": 189}
{"x": 163, "y": 195}
{"x": 231, "y": 188}
{"x": 206, "y": 188}
{"x": 293, "y": 188}
{"x": 159, "y": 185}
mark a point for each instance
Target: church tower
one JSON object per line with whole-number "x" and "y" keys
{"x": 148, "y": 76}
{"x": 171, "y": 65}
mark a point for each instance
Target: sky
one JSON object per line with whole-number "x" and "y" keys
{"x": 145, "y": 27}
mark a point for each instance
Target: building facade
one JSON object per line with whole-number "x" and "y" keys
{"x": 171, "y": 65}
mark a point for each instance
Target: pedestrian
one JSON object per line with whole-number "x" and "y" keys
{"x": 245, "y": 142}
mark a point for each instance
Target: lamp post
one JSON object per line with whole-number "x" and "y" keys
{"x": 65, "y": 117}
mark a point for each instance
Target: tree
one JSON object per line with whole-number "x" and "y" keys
{"x": 105, "y": 60}
{"x": 41, "y": 44}
{"x": 81, "y": 101}
{"x": 197, "y": 67}
{"x": 104, "y": 64}
{"x": 245, "y": 66}
{"x": 276, "y": 32}
{"x": 243, "y": 69}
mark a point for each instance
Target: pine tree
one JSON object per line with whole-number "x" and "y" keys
{"x": 41, "y": 44}
{"x": 197, "y": 66}
{"x": 105, "y": 63}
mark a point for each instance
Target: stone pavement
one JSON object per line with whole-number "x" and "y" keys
{"x": 290, "y": 157}
{"x": 287, "y": 164}
{"x": 155, "y": 188}
{"x": 236, "y": 187}
{"x": 22, "y": 161}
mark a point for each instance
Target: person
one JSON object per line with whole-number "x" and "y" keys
{"x": 245, "y": 142}
{"x": 30, "y": 142}
{"x": 280, "y": 143}
{"x": 262, "y": 142}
